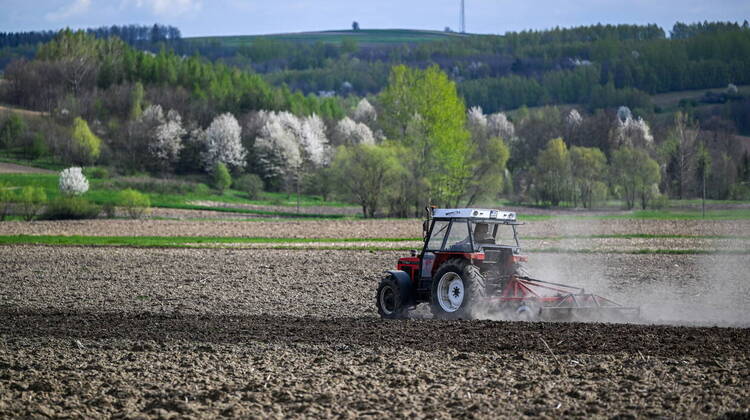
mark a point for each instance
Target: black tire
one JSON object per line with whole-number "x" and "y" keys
{"x": 389, "y": 299}
{"x": 473, "y": 294}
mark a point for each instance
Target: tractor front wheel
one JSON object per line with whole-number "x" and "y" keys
{"x": 458, "y": 291}
{"x": 389, "y": 299}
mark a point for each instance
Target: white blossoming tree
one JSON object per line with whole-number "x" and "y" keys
{"x": 364, "y": 112}
{"x": 156, "y": 139}
{"x": 350, "y": 132}
{"x": 477, "y": 122}
{"x": 624, "y": 113}
{"x": 573, "y": 119}
{"x": 314, "y": 142}
{"x": 487, "y": 126}
{"x": 73, "y": 182}
{"x": 152, "y": 116}
{"x": 277, "y": 149}
{"x": 223, "y": 143}
{"x": 166, "y": 143}
{"x": 499, "y": 126}
{"x": 288, "y": 146}
{"x": 633, "y": 133}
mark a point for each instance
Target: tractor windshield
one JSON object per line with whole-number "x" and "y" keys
{"x": 489, "y": 233}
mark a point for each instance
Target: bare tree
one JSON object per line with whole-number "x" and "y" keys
{"x": 680, "y": 151}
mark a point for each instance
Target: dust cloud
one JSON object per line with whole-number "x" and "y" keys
{"x": 704, "y": 290}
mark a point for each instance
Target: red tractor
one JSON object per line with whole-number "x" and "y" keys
{"x": 471, "y": 267}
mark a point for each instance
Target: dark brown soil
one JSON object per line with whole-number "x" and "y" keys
{"x": 100, "y": 332}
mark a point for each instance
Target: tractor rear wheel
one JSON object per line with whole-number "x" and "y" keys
{"x": 389, "y": 299}
{"x": 458, "y": 291}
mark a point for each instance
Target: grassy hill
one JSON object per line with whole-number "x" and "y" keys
{"x": 363, "y": 37}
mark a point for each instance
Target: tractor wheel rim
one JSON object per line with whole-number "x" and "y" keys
{"x": 450, "y": 292}
{"x": 387, "y": 300}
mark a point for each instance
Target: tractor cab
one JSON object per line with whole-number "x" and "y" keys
{"x": 483, "y": 237}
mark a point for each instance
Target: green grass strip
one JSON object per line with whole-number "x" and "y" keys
{"x": 284, "y": 243}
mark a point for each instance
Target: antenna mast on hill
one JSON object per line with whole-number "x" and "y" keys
{"x": 462, "y": 19}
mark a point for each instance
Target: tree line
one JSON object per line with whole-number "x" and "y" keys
{"x": 415, "y": 143}
{"x": 597, "y": 66}
{"x": 622, "y": 61}
{"x": 132, "y": 34}
{"x": 85, "y": 71}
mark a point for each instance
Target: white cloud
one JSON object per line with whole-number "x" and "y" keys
{"x": 77, "y": 7}
{"x": 170, "y": 7}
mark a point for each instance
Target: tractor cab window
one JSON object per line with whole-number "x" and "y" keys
{"x": 458, "y": 237}
{"x": 439, "y": 229}
{"x": 505, "y": 235}
{"x": 493, "y": 234}
{"x": 484, "y": 233}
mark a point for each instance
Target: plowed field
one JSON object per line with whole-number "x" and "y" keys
{"x": 130, "y": 332}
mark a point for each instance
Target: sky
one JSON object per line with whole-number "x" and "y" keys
{"x": 249, "y": 17}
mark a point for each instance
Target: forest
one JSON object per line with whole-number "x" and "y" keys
{"x": 554, "y": 118}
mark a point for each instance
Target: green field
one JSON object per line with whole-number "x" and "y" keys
{"x": 365, "y": 36}
{"x": 104, "y": 191}
{"x": 101, "y": 192}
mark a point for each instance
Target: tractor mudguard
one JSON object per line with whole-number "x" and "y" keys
{"x": 405, "y": 286}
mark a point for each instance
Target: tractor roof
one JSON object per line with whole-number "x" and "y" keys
{"x": 485, "y": 214}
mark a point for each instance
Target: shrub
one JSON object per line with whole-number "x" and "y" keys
{"x": 201, "y": 189}
{"x": 6, "y": 198}
{"x": 659, "y": 201}
{"x": 12, "y": 130}
{"x": 36, "y": 147}
{"x": 250, "y": 184}
{"x": 30, "y": 201}
{"x": 135, "y": 203}
{"x": 87, "y": 144}
{"x": 739, "y": 191}
{"x": 109, "y": 210}
{"x": 71, "y": 207}
{"x": 222, "y": 178}
{"x": 96, "y": 172}
{"x": 73, "y": 182}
